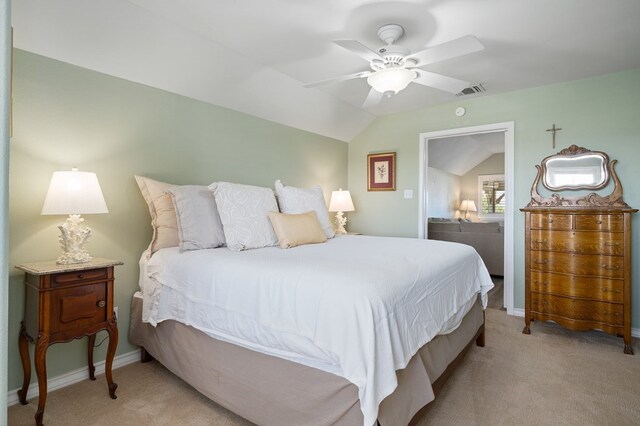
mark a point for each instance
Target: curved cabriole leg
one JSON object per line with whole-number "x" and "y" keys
{"x": 23, "y": 345}
{"x": 40, "y": 359}
{"x": 628, "y": 340}
{"x": 92, "y": 369}
{"x": 112, "y": 329}
{"x": 527, "y": 325}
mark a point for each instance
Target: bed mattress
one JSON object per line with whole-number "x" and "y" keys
{"x": 359, "y": 307}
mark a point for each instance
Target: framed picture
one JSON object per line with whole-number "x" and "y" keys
{"x": 381, "y": 172}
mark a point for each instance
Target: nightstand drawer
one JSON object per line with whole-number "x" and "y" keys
{"x": 78, "y": 276}
{"x": 78, "y": 307}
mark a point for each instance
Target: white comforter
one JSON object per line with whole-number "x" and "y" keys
{"x": 357, "y": 306}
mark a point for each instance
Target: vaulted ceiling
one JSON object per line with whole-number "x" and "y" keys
{"x": 459, "y": 154}
{"x": 254, "y": 55}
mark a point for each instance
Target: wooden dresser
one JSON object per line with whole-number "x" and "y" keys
{"x": 578, "y": 264}
{"x": 578, "y": 249}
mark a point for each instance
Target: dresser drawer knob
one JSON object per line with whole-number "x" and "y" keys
{"x": 101, "y": 304}
{"x": 612, "y": 244}
{"x": 599, "y": 222}
{"x": 604, "y": 290}
{"x": 550, "y": 220}
{"x": 544, "y": 262}
{"x": 80, "y": 276}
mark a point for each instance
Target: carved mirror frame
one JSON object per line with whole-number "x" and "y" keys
{"x": 590, "y": 200}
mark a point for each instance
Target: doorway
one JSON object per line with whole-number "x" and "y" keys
{"x": 506, "y": 129}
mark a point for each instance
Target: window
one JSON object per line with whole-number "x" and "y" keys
{"x": 491, "y": 193}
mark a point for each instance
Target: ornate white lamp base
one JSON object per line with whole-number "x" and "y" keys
{"x": 73, "y": 236}
{"x": 341, "y": 221}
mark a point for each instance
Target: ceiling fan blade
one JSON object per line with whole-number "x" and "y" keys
{"x": 361, "y": 74}
{"x": 373, "y": 98}
{"x": 440, "y": 82}
{"x": 451, "y": 49}
{"x": 359, "y": 49}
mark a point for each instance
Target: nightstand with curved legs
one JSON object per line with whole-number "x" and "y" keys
{"x": 63, "y": 303}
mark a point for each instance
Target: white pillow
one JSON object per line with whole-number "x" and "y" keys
{"x": 294, "y": 200}
{"x": 199, "y": 225}
{"x": 244, "y": 212}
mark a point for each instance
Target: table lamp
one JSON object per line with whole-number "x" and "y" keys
{"x": 341, "y": 202}
{"x": 74, "y": 193}
{"x": 468, "y": 206}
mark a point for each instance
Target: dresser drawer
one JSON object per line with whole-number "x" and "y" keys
{"x": 576, "y": 309}
{"x": 551, "y": 221}
{"x": 587, "y": 242}
{"x": 600, "y": 222}
{"x": 581, "y": 287}
{"x": 580, "y": 264}
{"x": 66, "y": 278}
{"x": 78, "y": 307}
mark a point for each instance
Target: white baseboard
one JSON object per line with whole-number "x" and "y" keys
{"x": 74, "y": 376}
{"x": 517, "y": 312}
{"x": 635, "y": 332}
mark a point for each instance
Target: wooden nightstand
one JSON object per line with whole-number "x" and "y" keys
{"x": 62, "y": 303}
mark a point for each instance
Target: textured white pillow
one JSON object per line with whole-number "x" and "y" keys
{"x": 294, "y": 200}
{"x": 244, "y": 212}
{"x": 199, "y": 225}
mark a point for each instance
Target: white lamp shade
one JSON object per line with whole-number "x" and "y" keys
{"x": 74, "y": 192}
{"x": 391, "y": 79}
{"x": 468, "y": 206}
{"x": 341, "y": 202}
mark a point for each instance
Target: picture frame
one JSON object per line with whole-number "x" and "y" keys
{"x": 381, "y": 171}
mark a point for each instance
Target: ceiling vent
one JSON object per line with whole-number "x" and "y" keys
{"x": 478, "y": 88}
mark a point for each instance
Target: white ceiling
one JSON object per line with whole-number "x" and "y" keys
{"x": 254, "y": 55}
{"x": 459, "y": 154}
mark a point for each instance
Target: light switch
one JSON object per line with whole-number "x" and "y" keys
{"x": 408, "y": 194}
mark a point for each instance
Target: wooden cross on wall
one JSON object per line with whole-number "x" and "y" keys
{"x": 554, "y": 129}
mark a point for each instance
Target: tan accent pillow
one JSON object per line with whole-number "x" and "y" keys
{"x": 297, "y": 229}
{"x": 162, "y": 211}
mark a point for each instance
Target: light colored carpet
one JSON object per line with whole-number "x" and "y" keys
{"x": 551, "y": 377}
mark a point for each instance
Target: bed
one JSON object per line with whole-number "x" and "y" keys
{"x": 353, "y": 331}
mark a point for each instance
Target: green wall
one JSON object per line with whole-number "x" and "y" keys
{"x": 67, "y": 116}
{"x": 600, "y": 113}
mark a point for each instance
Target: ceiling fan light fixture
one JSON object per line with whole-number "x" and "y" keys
{"x": 391, "y": 79}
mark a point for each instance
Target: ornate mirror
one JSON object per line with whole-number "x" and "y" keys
{"x": 576, "y": 168}
{"x": 572, "y": 172}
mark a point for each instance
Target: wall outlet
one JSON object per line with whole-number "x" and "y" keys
{"x": 115, "y": 312}
{"x": 408, "y": 194}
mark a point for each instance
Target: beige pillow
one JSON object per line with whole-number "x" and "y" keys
{"x": 297, "y": 229}
{"x": 162, "y": 211}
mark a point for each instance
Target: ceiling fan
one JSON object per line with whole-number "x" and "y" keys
{"x": 393, "y": 67}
